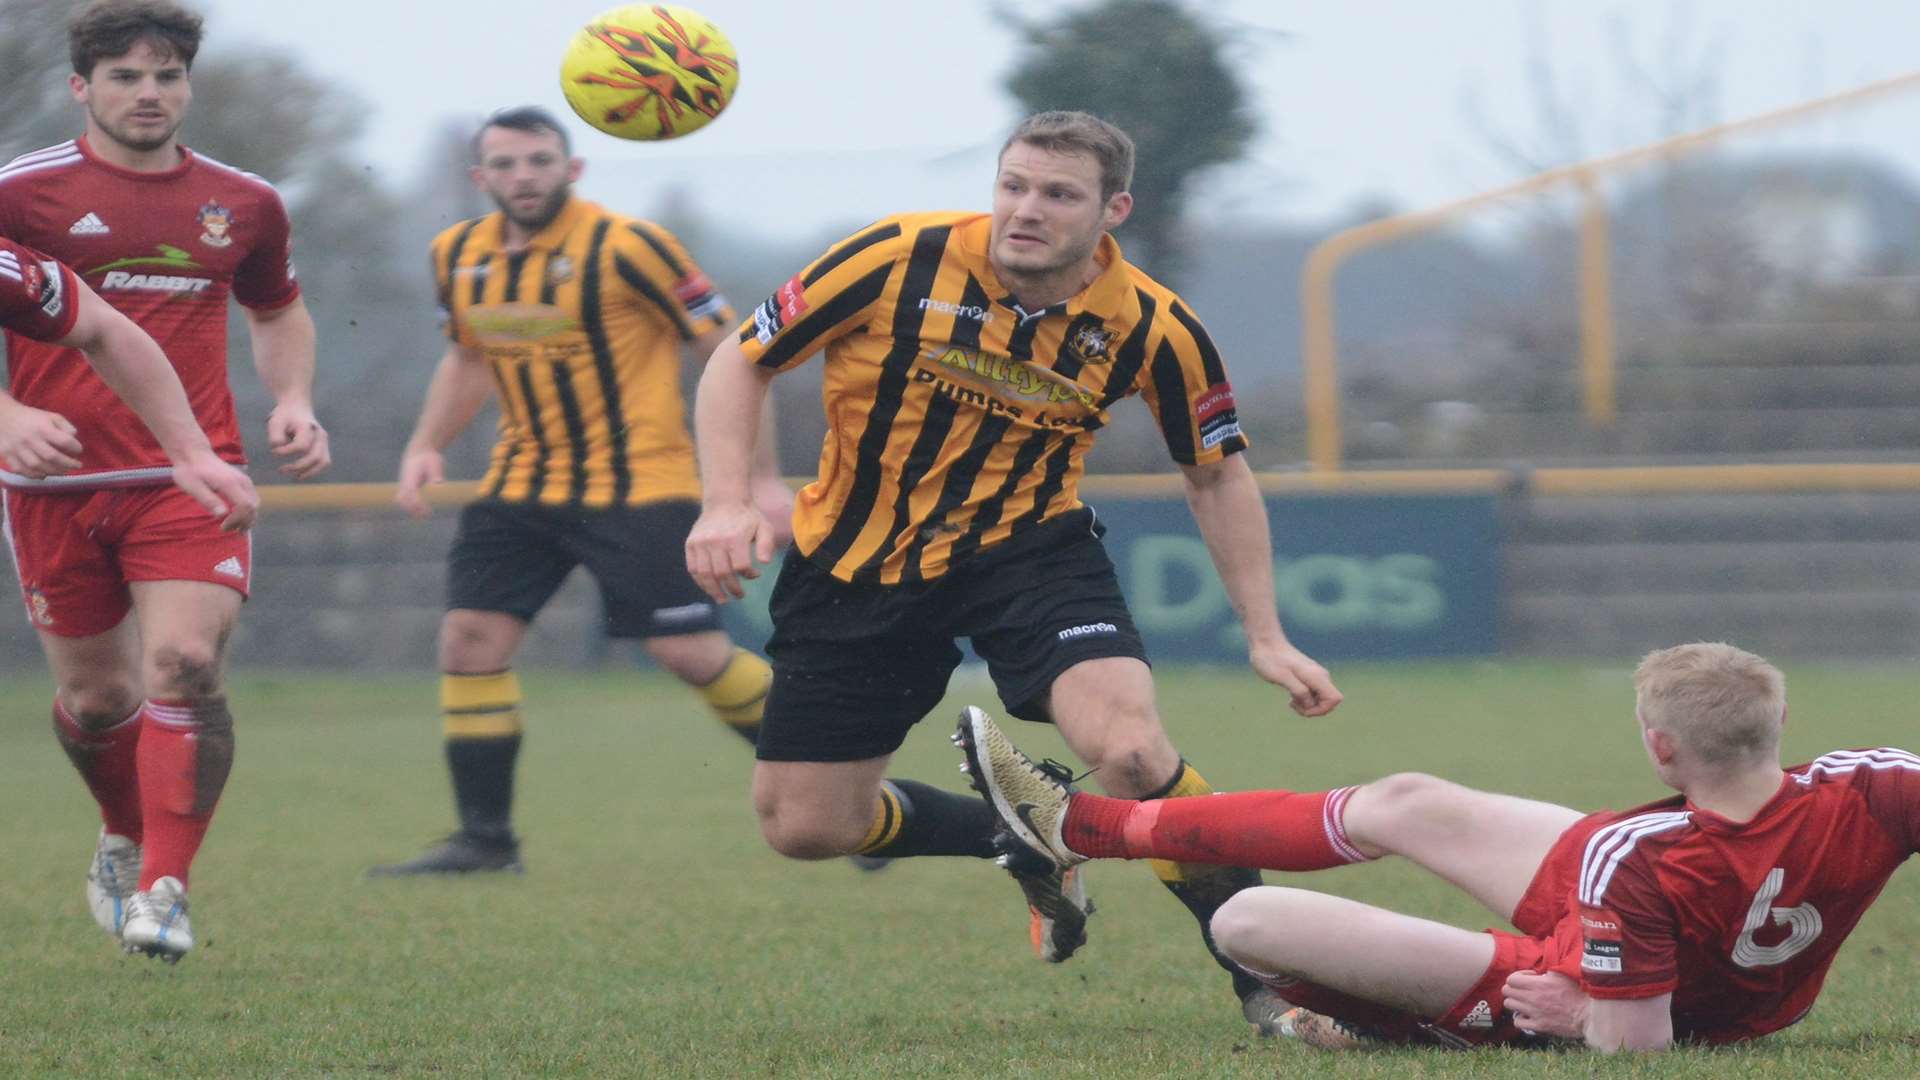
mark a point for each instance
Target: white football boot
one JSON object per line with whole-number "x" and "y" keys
{"x": 157, "y": 921}
{"x": 111, "y": 880}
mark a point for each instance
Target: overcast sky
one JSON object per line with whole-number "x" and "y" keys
{"x": 849, "y": 109}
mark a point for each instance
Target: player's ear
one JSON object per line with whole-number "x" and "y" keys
{"x": 1118, "y": 209}
{"x": 575, "y": 167}
{"x": 77, "y": 84}
{"x": 1662, "y": 746}
{"x": 478, "y": 176}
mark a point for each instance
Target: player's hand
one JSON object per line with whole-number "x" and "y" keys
{"x": 418, "y": 468}
{"x": 1305, "y": 681}
{"x": 774, "y": 499}
{"x": 1547, "y": 1004}
{"x": 726, "y": 544}
{"x": 224, "y": 490}
{"x": 293, "y": 434}
{"x": 37, "y": 443}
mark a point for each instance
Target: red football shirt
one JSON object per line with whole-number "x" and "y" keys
{"x": 167, "y": 249}
{"x": 38, "y": 298}
{"x": 1739, "y": 920}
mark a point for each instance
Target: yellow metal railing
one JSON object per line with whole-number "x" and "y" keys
{"x": 1611, "y": 480}
{"x": 1319, "y": 356}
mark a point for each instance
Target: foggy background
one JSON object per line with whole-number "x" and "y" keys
{"x": 1765, "y": 293}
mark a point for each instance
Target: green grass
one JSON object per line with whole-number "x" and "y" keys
{"x": 655, "y": 936}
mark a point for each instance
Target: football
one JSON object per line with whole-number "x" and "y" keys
{"x": 649, "y": 71}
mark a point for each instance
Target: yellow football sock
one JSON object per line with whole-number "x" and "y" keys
{"x": 738, "y": 695}
{"x": 888, "y": 816}
{"x": 480, "y": 706}
{"x": 1188, "y": 782}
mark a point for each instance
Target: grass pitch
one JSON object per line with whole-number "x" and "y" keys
{"x": 654, "y": 936}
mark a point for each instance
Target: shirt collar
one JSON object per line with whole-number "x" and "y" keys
{"x": 554, "y": 235}
{"x": 1715, "y": 823}
{"x": 180, "y": 169}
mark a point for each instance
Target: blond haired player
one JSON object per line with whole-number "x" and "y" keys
{"x": 1711, "y": 916}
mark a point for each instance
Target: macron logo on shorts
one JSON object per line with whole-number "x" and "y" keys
{"x": 1088, "y": 630}
{"x": 683, "y": 613}
{"x": 229, "y": 566}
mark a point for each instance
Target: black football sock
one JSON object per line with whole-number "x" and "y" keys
{"x": 480, "y": 715}
{"x": 911, "y": 818}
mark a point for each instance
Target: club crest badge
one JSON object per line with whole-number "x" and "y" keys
{"x": 1091, "y": 342}
{"x": 38, "y": 608}
{"x": 216, "y": 225}
{"x": 559, "y": 270}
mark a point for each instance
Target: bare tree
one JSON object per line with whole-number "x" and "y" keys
{"x": 1161, "y": 73}
{"x": 35, "y": 106}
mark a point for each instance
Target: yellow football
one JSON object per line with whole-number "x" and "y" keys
{"x": 649, "y": 71}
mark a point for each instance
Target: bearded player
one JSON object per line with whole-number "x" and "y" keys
{"x": 574, "y": 316}
{"x": 131, "y": 586}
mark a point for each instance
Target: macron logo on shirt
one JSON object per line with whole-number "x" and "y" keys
{"x": 91, "y": 225}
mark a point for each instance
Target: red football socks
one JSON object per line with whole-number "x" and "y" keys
{"x": 1270, "y": 830}
{"x": 106, "y": 761}
{"x": 185, "y": 754}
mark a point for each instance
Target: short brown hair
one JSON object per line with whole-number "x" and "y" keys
{"x": 110, "y": 28}
{"x": 1065, "y": 132}
{"x": 1724, "y": 705}
{"x": 528, "y": 118}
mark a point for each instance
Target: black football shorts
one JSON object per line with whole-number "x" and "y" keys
{"x": 512, "y": 558}
{"x": 856, "y": 665}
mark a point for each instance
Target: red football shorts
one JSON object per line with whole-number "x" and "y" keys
{"x": 77, "y": 550}
{"x": 1479, "y": 1016}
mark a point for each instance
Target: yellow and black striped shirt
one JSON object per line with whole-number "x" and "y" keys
{"x": 955, "y": 419}
{"x": 582, "y": 330}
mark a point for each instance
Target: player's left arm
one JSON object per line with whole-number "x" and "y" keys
{"x": 1187, "y": 390}
{"x": 1232, "y": 516}
{"x": 283, "y": 353}
{"x": 283, "y": 341}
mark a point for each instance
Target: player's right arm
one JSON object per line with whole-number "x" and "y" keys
{"x": 1629, "y": 934}
{"x": 731, "y": 533}
{"x": 1630, "y": 1023}
{"x": 770, "y": 493}
{"x": 43, "y": 300}
{"x": 134, "y": 368}
{"x": 834, "y": 296}
{"x": 460, "y": 389}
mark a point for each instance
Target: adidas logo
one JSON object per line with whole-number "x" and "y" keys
{"x": 230, "y": 566}
{"x": 91, "y": 225}
{"x": 1480, "y": 1017}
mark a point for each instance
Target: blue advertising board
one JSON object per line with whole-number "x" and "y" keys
{"x": 1356, "y": 576}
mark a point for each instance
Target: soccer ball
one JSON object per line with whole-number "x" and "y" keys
{"x": 649, "y": 71}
